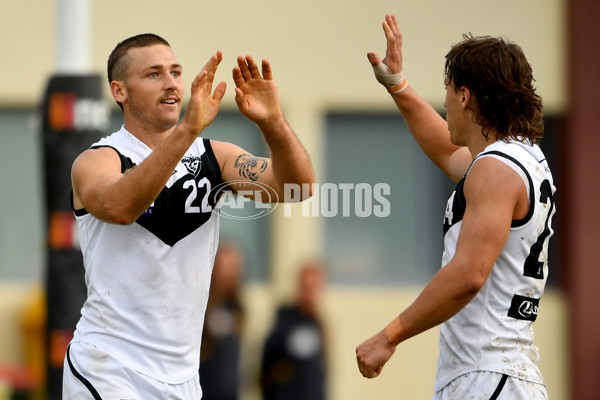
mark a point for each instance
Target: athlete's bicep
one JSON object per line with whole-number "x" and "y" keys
{"x": 245, "y": 173}
{"x": 492, "y": 192}
{"x": 91, "y": 175}
{"x": 457, "y": 163}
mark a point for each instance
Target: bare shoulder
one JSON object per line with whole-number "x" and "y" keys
{"x": 226, "y": 153}
{"x": 488, "y": 173}
{"x": 101, "y": 157}
{"x": 90, "y": 168}
{"x": 221, "y": 150}
{"x": 493, "y": 182}
{"x": 458, "y": 163}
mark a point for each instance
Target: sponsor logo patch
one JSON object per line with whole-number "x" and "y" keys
{"x": 525, "y": 308}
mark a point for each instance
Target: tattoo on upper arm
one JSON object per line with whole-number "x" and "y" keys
{"x": 249, "y": 166}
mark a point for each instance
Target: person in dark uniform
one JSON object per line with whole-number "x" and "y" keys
{"x": 294, "y": 358}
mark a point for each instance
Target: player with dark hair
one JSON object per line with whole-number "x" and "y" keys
{"x": 119, "y": 60}
{"x": 146, "y": 204}
{"x": 496, "y": 225}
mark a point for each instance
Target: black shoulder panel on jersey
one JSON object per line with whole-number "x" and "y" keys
{"x": 214, "y": 170}
{"x": 213, "y": 165}
{"x": 457, "y": 204}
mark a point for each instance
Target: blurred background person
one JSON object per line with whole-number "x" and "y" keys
{"x": 223, "y": 323}
{"x": 294, "y": 358}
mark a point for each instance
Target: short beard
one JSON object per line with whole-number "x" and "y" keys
{"x": 152, "y": 121}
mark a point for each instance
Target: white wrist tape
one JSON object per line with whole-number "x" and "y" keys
{"x": 394, "y": 83}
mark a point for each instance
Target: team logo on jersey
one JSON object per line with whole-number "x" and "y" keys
{"x": 193, "y": 164}
{"x": 523, "y": 307}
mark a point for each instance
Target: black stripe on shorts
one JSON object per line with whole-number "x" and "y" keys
{"x": 87, "y": 383}
{"x": 499, "y": 388}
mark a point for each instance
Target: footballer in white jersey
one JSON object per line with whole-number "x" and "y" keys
{"x": 497, "y": 222}
{"x": 494, "y": 331}
{"x": 146, "y": 203}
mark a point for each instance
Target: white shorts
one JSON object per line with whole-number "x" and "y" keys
{"x": 91, "y": 373}
{"x": 483, "y": 385}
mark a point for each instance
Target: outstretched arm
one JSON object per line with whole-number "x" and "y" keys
{"x": 258, "y": 100}
{"x": 428, "y": 128}
{"x": 494, "y": 193}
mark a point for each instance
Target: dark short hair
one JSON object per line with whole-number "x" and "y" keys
{"x": 501, "y": 80}
{"x": 118, "y": 61}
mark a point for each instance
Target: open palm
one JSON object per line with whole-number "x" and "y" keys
{"x": 256, "y": 95}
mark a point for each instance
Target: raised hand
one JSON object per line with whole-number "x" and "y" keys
{"x": 393, "y": 54}
{"x": 204, "y": 104}
{"x": 256, "y": 95}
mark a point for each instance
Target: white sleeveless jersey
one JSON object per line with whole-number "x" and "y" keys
{"x": 494, "y": 331}
{"x": 148, "y": 282}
